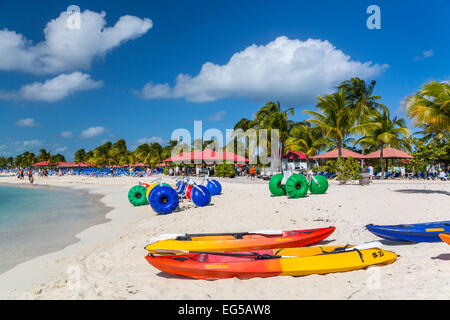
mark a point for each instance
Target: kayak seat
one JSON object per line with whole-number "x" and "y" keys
{"x": 212, "y": 258}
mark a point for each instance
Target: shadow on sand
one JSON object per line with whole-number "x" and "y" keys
{"x": 172, "y": 276}
{"x": 397, "y": 243}
{"x": 444, "y": 256}
{"x": 426, "y": 191}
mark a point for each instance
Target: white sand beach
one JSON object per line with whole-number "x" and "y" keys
{"x": 110, "y": 262}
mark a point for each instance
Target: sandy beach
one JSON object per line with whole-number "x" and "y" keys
{"x": 108, "y": 261}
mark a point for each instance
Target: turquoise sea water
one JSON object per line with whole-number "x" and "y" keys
{"x": 40, "y": 220}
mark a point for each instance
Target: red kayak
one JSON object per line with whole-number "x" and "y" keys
{"x": 241, "y": 241}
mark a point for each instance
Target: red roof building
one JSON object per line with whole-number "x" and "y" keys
{"x": 333, "y": 154}
{"x": 389, "y": 153}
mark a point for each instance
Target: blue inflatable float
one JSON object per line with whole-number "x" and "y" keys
{"x": 214, "y": 187}
{"x": 163, "y": 199}
{"x": 200, "y": 196}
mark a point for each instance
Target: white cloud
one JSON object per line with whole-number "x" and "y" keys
{"x": 67, "y": 134}
{"x": 53, "y": 89}
{"x": 151, "y": 140}
{"x": 425, "y": 54}
{"x": 17, "y": 147}
{"x": 92, "y": 132}
{"x": 31, "y": 143}
{"x": 61, "y": 149}
{"x": 284, "y": 69}
{"x": 219, "y": 115}
{"x": 27, "y": 122}
{"x": 68, "y": 49}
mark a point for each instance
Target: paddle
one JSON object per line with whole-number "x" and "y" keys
{"x": 187, "y": 235}
{"x": 232, "y": 254}
{"x": 364, "y": 246}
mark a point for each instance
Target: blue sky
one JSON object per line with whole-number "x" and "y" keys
{"x": 123, "y": 83}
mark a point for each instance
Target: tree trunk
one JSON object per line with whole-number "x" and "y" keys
{"x": 339, "y": 146}
{"x": 362, "y": 160}
{"x": 382, "y": 162}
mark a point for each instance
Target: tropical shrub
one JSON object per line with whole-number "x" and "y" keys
{"x": 348, "y": 169}
{"x": 224, "y": 170}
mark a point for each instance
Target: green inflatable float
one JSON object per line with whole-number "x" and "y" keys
{"x": 318, "y": 184}
{"x": 136, "y": 195}
{"x": 275, "y": 186}
{"x": 296, "y": 186}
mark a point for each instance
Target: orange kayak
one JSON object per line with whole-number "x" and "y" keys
{"x": 445, "y": 237}
{"x": 271, "y": 262}
{"x": 241, "y": 241}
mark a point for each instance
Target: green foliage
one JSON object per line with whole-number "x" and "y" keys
{"x": 429, "y": 109}
{"x": 346, "y": 168}
{"x": 224, "y": 170}
{"x": 6, "y": 162}
{"x": 429, "y": 152}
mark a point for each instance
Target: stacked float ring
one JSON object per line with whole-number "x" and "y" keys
{"x": 153, "y": 187}
{"x": 188, "y": 192}
{"x": 200, "y": 196}
{"x": 180, "y": 187}
{"x": 164, "y": 199}
{"x": 318, "y": 184}
{"x": 149, "y": 189}
{"x": 296, "y": 186}
{"x": 136, "y": 195}
{"x": 275, "y": 186}
{"x": 214, "y": 187}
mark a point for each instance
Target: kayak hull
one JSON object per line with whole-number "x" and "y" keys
{"x": 445, "y": 237}
{"x": 422, "y": 232}
{"x": 302, "y": 262}
{"x": 295, "y": 238}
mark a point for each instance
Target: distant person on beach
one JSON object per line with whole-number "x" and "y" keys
{"x": 177, "y": 170}
{"x": 170, "y": 172}
{"x": 370, "y": 173}
{"x": 402, "y": 172}
{"x": 30, "y": 176}
{"x": 252, "y": 172}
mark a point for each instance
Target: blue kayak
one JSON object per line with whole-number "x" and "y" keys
{"x": 420, "y": 232}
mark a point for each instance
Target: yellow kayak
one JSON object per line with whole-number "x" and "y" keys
{"x": 271, "y": 262}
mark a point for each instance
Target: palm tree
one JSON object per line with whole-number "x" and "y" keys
{"x": 102, "y": 155}
{"x": 156, "y": 150}
{"x": 362, "y": 100}
{"x": 337, "y": 118}
{"x": 80, "y": 156}
{"x": 430, "y": 109}
{"x": 306, "y": 139}
{"x": 118, "y": 150}
{"x": 382, "y": 131}
{"x": 43, "y": 155}
{"x": 144, "y": 153}
{"x": 271, "y": 116}
{"x": 57, "y": 158}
